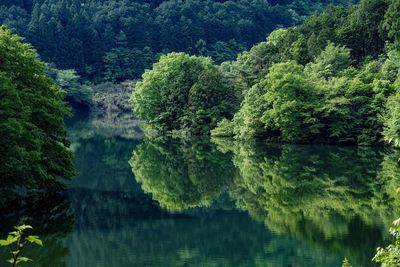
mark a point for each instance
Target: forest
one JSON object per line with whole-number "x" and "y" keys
{"x": 246, "y": 75}
{"x": 92, "y": 42}
{"x": 333, "y": 79}
{"x": 81, "y": 51}
{"x": 117, "y": 40}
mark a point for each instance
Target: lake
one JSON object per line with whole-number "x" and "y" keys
{"x": 199, "y": 202}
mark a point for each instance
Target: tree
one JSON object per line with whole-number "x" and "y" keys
{"x": 77, "y": 94}
{"x": 330, "y": 62}
{"x": 182, "y": 92}
{"x": 126, "y": 64}
{"x": 290, "y": 102}
{"x": 362, "y": 30}
{"x": 210, "y": 100}
{"x": 32, "y": 133}
{"x": 391, "y": 130}
{"x": 392, "y": 20}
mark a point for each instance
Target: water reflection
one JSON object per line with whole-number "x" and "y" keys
{"x": 336, "y": 198}
{"x": 339, "y": 199}
{"x": 180, "y": 174}
{"x": 175, "y": 202}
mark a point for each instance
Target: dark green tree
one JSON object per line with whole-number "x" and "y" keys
{"x": 32, "y": 133}
{"x": 183, "y": 92}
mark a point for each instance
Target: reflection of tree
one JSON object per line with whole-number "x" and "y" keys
{"x": 328, "y": 195}
{"x": 179, "y": 174}
{"x": 102, "y": 163}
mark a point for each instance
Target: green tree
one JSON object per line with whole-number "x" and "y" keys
{"x": 182, "y": 91}
{"x": 210, "y": 100}
{"x": 126, "y": 64}
{"x": 32, "y": 133}
{"x": 330, "y": 62}
{"x": 391, "y": 130}
{"x": 362, "y": 30}
{"x": 77, "y": 94}
{"x": 392, "y": 20}
{"x": 290, "y": 101}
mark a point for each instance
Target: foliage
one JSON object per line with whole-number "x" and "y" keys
{"x": 77, "y": 94}
{"x": 99, "y": 38}
{"x": 390, "y": 256}
{"x": 183, "y": 92}
{"x": 32, "y": 133}
{"x": 346, "y": 263}
{"x": 289, "y": 103}
{"x": 122, "y": 64}
{"x": 17, "y": 240}
{"x": 223, "y": 129}
{"x": 210, "y": 99}
{"x": 391, "y": 131}
{"x": 392, "y": 20}
{"x": 330, "y": 62}
{"x": 332, "y": 79}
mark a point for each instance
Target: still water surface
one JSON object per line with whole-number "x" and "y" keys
{"x": 201, "y": 202}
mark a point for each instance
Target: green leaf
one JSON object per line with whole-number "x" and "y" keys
{"x": 23, "y": 227}
{"x": 10, "y": 239}
{"x": 23, "y": 259}
{"x": 15, "y": 252}
{"x": 34, "y": 239}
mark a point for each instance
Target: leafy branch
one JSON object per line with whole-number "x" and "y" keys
{"x": 16, "y": 241}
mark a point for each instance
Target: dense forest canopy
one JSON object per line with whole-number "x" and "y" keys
{"x": 333, "y": 79}
{"x": 117, "y": 40}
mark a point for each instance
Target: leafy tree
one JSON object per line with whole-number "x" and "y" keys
{"x": 91, "y": 35}
{"x": 183, "y": 92}
{"x": 281, "y": 106}
{"x": 347, "y": 79}
{"x": 126, "y": 64}
{"x": 32, "y": 133}
{"x": 247, "y": 121}
{"x": 254, "y": 64}
{"x": 77, "y": 94}
{"x": 290, "y": 100}
{"x": 390, "y": 256}
{"x": 330, "y": 62}
{"x": 362, "y": 30}
{"x": 161, "y": 97}
{"x": 392, "y": 20}
{"x": 210, "y": 100}
{"x": 391, "y": 131}
{"x": 224, "y": 129}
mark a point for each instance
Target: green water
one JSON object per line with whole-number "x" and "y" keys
{"x": 201, "y": 202}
